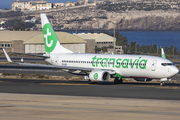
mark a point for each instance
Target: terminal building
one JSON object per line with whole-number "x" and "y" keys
{"x": 30, "y": 5}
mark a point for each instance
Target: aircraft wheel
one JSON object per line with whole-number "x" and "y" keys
{"x": 117, "y": 81}
{"x": 162, "y": 83}
{"x": 91, "y": 82}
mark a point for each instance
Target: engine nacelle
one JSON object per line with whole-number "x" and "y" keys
{"x": 99, "y": 75}
{"x": 142, "y": 79}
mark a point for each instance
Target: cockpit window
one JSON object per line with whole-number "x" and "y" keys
{"x": 166, "y": 64}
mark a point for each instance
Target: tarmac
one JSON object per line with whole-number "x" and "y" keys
{"x": 27, "y": 99}
{"x": 59, "y": 107}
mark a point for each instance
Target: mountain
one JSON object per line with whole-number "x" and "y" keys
{"x": 139, "y": 15}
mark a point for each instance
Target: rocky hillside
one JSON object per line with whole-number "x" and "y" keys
{"x": 93, "y": 18}
{"x": 126, "y": 17}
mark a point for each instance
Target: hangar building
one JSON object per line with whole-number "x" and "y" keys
{"x": 69, "y": 41}
{"x": 12, "y": 41}
{"x": 100, "y": 40}
{"x": 33, "y": 42}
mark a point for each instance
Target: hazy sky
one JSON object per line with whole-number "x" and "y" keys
{"x": 7, "y": 3}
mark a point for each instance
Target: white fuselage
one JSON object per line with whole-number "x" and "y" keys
{"x": 131, "y": 66}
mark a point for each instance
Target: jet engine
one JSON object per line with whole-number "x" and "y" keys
{"x": 99, "y": 75}
{"x": 142, "y": 79}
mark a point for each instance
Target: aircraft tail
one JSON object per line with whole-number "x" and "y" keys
{"x": 162, "y": 53}
{"x": 51, "y": 42}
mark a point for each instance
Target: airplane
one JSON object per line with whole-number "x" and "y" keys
{"x": 101, "y": 67}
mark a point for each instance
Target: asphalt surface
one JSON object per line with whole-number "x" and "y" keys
{"x": 11, "y": 68}
{"x": 82, "y": 88}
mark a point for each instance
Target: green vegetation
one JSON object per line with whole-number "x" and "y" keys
{"x": 29, "y": 17}
{"x": 10, "y": 14}
{"x": 135, "y": 5}
{"x": 85, "y": 19}
{"x": 37, "y": 75}
{"x": 135, "y": 48}
{"x": 104, "y": 49}
{"x": 9, "y": 74}
{"x": 15, "y": 24}
{"x": 18, "y": 24}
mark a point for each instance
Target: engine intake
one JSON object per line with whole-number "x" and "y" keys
{"x": 99, "y": 75}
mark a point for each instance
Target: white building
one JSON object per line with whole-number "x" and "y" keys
{"x": 2, "y": 22}
{"x": 30, "y": 5}
{"x": 68, "y": 4}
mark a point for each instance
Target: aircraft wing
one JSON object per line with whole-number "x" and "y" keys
{"x": 56, "y": 66}
{"x": 32, "y": 54}
{"x": 67, "y": 68}
{"x": 82, "y": 69}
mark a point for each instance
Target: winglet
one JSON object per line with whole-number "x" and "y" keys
{"x": 7, "y": 56}
{"x": 162, "y": 53}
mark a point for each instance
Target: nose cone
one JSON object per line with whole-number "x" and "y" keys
{"x": 174, "y": 71}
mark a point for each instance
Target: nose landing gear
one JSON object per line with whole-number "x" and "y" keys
{"x": 162, "y": 84}
{"x": 163, "y": 80}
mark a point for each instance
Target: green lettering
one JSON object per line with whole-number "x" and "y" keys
{"x": 97, "y": 61}
{"x": 118, "y": 63}
{"x": 111, "y": 59}
{"x": 143, "y": 62}
{"x": 132, "y": 64}
{"x": 102, "y": 61}
{"x": 93, "y": 61}
{"x": 137, "y": 63}
{"x": 125, "y": 64}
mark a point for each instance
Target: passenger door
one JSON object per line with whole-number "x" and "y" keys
{"x": 153, "y": 67}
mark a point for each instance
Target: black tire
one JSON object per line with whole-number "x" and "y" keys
{"x": 117, "y": 81}
{"x": 90, "y": 82}
{"x": 162, "y": 84}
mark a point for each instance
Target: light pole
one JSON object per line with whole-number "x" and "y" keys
{"x": 114, "y": 29}
{"x": 76, "y": 26}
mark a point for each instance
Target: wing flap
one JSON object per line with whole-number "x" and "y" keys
{"x": 32, "y": 54}
{"x": 56, "y": 66}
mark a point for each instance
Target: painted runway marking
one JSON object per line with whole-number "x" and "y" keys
{"x": 162, "y": 87}
{"x": 63, "y": 84}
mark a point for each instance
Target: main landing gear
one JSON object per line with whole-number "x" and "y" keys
{"x": 118, "y": 81}
{"x": 91, "y": 82}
